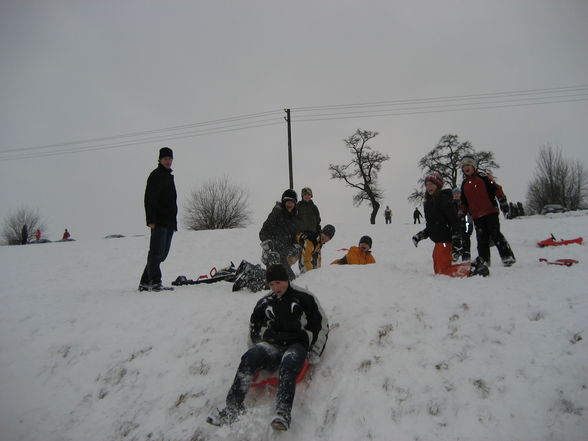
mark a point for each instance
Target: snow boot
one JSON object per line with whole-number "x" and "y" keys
{"x": 479, "y": 268}
{"x": 281, "y": 422}
{"x": 225, "y": 416}
{"x": 508, "y": 261}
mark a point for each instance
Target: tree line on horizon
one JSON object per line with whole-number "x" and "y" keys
{"x": 219, "y": 204}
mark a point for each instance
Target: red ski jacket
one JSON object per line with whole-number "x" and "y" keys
{"x": 478, "y": 195}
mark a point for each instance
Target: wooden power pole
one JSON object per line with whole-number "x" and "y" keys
{"x": 289, "y": 147}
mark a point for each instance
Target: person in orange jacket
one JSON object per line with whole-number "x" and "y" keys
{"x": 359, "y": 255}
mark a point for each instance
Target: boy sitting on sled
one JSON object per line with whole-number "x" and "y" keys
{"x": 287, "y": 326}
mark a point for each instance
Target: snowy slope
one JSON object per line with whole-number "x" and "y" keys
{"x": 411, "y": 356}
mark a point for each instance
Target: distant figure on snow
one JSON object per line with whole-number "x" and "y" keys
{"x": 416, "y": 216}
{"x": 24, "y": 234}
{"x": 388, "y": 215}
{"x": 38, "y": 234}
{"x": 66, "y": 235}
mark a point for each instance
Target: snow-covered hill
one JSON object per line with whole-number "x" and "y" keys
{"x": 411, "y": 356}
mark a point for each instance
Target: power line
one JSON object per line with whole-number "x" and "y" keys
{"x": 513, "y": 93}
{"x": 432, "y": 109}
{"x": 400, "y": 107}
{"x": 81, "y": 149}
{"x": 145, "y": 132}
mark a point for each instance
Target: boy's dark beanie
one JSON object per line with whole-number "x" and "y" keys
{"x": 289, "y": 195}
{"x": 367, "y": 240}
{"x": 329, "y": 230}
{"x": 165, "y": 152}
{"x": 276, "y": 272}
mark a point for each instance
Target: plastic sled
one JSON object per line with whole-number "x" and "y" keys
{"x": 552, "y": 241}
{"x": 563, "y": 262}
{"x": 273, "y": 381}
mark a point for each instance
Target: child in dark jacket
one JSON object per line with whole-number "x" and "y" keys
{"x": 479, "y": 193}
{"x": 278, "y": 234}
{"x": 443, "y": 228}
{"x": 287, "y": 326}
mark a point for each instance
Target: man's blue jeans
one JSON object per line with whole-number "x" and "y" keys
{"x": 159, "y": 246}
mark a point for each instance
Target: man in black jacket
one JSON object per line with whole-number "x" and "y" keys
{"x": 287, "y": 326}
{"x": 161, "y": 212}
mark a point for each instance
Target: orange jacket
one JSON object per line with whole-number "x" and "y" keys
{"x": 355, "y": 257}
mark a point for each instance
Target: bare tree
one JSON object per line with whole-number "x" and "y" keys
{"x": 23, "y": 220}
{"x": 362, "y": 171}
{"x": 217, "y": 205}
{"x": 557, "y": 181}
{"x": 445, "y": 158}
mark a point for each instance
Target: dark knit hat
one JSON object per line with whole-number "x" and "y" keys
{"x": 469, "y": 160}
{"x": 289, "y": 195}
{"x": 436, "y": 179}
{"x": 165, "y": 152}
{"x": 328, "y": 230}
{"x": 276, "y": 272}
{"x": 306, "y": 190}
{"x": 367, "y": 240}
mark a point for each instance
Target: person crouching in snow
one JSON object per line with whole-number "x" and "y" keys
{"x": 310, "y": 257}
{"x": 444, "y": 228}
{"x": 278, "y": 234}
{"x": 287, "y": 326}
{"x": 359, "y": 255}
{"x": 479, "y": 193}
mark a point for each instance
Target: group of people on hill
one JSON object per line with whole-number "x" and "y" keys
{"x": 24, "y": 234}
{"x": 448, "y": 217}
{"x": 288, "y": 327}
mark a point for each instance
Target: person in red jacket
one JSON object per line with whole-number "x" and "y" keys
{"x": 479, "y": 195}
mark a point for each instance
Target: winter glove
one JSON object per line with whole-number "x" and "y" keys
{"x": 418, "y": 237}
{"x": 504, "y": 206}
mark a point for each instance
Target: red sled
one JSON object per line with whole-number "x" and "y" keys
{"x": 563, "y": 262}
{"x": 552, "y": 241}
{"x": 273, "y": 381}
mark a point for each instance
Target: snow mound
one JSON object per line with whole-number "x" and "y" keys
{"x": 410, "y": 356}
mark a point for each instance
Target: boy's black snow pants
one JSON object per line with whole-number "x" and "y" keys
{"x": 289, "y": 360}
{"x": 488, "y": 228}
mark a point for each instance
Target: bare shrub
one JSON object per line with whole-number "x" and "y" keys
{"x": 217, "y": 205}
{"x": 23, "y": 220}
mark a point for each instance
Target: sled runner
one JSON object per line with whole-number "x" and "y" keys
{"x": 273, "y": 381}
{"x": 563, "y": 262}
{"x": 552, "y": 241}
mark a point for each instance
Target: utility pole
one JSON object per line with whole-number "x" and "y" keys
{"x": 287, "y": 118}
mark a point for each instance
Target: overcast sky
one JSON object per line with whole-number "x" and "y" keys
{"x": 81, "y": 70}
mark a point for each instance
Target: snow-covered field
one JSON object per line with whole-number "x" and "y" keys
{"x": 411, "y": 356}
